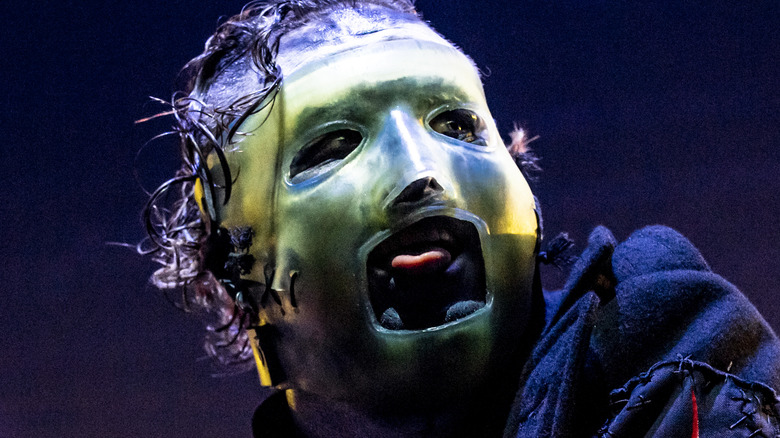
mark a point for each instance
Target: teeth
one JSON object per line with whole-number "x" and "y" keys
{"x": 391, "y": 320}
{"x": 379, "y": 273}
{"x": 461, "y": 309}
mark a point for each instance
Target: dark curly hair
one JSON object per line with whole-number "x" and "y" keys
{"x": 201, "y": 262}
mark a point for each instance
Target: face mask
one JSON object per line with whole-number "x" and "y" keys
{"x": 395, "y": 238}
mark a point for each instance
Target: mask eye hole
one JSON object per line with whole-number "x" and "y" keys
{"x": 461, "y": 124}
{"x": 323, "y": 153}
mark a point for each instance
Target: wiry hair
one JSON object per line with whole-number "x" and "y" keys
{"x": 240, "y": 55}
{"x": 525, "y": 159}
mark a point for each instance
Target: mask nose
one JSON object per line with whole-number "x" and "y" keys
{"x": 425, "y": 189}
{"x": 415, "y": 168}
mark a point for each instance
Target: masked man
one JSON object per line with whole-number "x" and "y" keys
{"x": 351, "y": 214}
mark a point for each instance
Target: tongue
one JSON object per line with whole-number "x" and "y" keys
{"x": 427, "y": 262}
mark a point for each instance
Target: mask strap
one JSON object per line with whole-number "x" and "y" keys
{"x": 200, "y": 198}
{"x": 266, "y": 356}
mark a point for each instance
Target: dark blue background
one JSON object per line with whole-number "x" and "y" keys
{"x": 647, "y": 113}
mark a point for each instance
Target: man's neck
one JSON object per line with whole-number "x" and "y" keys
{"x": 318, "y": 418}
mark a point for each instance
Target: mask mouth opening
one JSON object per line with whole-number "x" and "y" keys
{"x": 426, "y": 275}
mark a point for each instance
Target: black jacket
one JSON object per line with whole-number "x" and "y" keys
{"x": 645, "y": 340}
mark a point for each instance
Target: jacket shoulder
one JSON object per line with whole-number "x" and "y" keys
{"x": 668, "y": 303}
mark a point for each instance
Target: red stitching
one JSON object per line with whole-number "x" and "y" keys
{"x": 695, "y": 433}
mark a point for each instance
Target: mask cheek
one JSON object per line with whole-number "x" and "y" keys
{"x": 491, "y": 186}
{"x": 252, "y": 162}
{"x": 324, "y": 314}
{"x": 319, "y": 231}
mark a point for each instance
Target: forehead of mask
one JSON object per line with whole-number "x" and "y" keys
{"x": 319, "y": 36}
{"x": 342, "y": 28}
